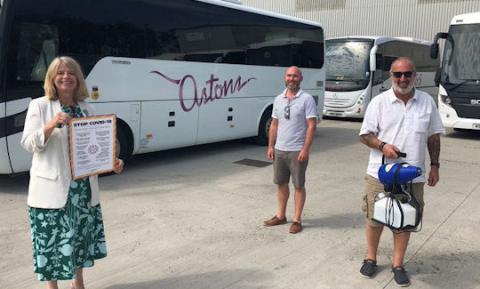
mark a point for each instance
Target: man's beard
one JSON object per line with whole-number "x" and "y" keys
{"x": 401, "y": 90}
{"x": 292, "y": 86}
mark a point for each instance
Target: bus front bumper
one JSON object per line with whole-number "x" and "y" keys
{"x": 450, "y": 119}
{"x": 352, "y": 112}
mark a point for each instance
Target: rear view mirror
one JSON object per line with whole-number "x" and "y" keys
{"x": 434, "y": 46}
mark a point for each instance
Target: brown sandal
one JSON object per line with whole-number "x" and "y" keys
{"x": 275, "y": 221}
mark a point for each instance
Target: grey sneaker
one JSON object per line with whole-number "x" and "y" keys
{"x": 400, "y": 276}
{"x": 369, "y": 268}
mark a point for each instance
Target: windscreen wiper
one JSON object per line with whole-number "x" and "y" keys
{"x": 463, "y": 82}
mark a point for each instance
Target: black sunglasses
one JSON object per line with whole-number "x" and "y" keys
{"x": 398, "y": 74}
{"x": 287, "y": 111}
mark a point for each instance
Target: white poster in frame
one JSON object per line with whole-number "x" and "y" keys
{"x": 92, "y": 145}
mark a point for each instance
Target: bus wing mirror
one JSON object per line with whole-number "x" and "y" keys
{"x": 437, "y": 76}
{"x": 434, "y": 47}
{"x": 434, "y": 51}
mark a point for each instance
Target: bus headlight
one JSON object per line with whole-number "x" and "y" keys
{"x": 445, "y": 99}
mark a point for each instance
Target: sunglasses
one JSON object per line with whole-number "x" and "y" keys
{"x": 287, "y": 111}
{"x": 398, "y": 74}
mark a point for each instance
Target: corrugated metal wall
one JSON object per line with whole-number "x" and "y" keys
{"x": 412, "y": 18}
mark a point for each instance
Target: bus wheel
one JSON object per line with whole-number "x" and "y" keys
{"x": 124, "y": 146}
{"x": 264, "y": 127}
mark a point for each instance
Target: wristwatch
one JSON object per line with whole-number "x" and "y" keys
{"x": 382, "y": 144}
{"x": 435, "y": 165}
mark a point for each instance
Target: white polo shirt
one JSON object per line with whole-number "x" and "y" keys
{"x": 405, "y": 126}
{"x": 291, "y": 132}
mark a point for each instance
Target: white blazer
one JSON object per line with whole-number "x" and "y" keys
{"x": 50, "y": 174}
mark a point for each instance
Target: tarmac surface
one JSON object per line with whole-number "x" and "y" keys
{"x": 193, "y": 218}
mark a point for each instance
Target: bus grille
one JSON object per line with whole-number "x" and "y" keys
{"x": 462, "y": 101}
{"x": 338, "y": 102}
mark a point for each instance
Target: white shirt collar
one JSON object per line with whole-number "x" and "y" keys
{"x": 393, "y": 98}
{"x": 299, "y": 93}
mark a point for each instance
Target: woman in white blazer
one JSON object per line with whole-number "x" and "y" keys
{"x": 65, "y": 215}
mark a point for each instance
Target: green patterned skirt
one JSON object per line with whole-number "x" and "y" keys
{"x": 69, "y": 238}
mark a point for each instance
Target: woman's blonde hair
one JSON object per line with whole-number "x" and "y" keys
{"x": 81, "y": 91}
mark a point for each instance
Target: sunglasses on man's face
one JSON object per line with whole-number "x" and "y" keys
{"x": 398, "y": 74}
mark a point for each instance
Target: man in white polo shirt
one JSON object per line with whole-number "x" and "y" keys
{"x": 294, "y": 120}
{"x": 402, "y": 119}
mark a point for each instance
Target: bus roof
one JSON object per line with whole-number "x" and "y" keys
{"x": 382, "y": 39}
{"x": 469, "y": 18}
{"x": 259, "y": 11}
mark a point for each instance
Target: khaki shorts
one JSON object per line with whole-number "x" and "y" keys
{"x": 286, "y": 164}
{"x": 373, "y": 187}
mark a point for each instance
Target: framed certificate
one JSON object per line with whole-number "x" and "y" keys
{"x": 92, "y": 145}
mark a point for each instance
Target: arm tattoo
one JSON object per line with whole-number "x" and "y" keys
{"x": 433, "y": 144}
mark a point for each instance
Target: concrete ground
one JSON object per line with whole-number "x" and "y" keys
{"x": 192, "y": 218}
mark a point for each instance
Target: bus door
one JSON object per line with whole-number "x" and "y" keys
{"x": 32, "y": 46}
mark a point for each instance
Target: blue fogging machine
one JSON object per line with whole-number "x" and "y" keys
{"x": 396, "y": 207}
{"x": 397, "y": 174}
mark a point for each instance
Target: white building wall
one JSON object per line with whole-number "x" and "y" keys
{"x": 413, "y": 18}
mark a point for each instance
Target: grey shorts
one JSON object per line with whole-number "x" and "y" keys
{"x": 286, "y": 164}
{"x": 373, "y": 187}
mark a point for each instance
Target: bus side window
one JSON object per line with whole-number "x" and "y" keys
{"x": 235, "y": 57}
{"x": 387, "y": 64}
{"x": 35, "y": 48}
{"x": 47, "y": 54}
{"x": 379, "y": 61}
{"x": 377, "y": 77}
{"x": 382, "y": 72}
{"x": 311, "y": 54}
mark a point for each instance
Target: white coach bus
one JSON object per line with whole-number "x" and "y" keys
{"x": 176, "y": 73}
{"x": 459, "y": 76}
{"x": 357, "y": 69}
